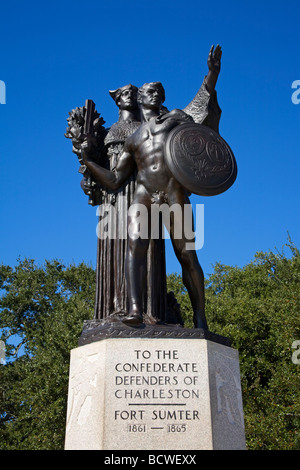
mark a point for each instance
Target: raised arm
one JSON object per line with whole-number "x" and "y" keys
{"x": 109, "y": 179}
{"x": 204, "y": 107}
{"x": 214, "y": 67}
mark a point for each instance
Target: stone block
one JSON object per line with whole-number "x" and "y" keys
{"x": 154, "y": 394}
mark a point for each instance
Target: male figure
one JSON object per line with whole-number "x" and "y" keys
{"x": 144, "y": 150}
{"x": 111, "y": 284}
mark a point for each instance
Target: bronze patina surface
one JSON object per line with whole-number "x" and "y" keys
{"x": 200, "y": 159}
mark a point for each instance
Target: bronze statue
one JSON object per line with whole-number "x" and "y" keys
{"x": 144, "y": 150}
{"x": 133, "y": 156}
{"x": 111, "y": 286}
{"x": 111, "y": 300}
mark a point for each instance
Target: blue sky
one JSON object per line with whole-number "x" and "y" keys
{"x": 56, "y": 55}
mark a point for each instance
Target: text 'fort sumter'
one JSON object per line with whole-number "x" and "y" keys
{"x": 156, "y": 390}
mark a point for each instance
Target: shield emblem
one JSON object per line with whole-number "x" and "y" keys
{"x": 200, "y": 159}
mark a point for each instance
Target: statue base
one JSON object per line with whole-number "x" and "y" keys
{"x": 153, "y": 388}
{"x": 95, "y": 330}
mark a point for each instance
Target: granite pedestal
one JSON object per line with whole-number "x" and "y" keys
{"x": 154, "y": 390}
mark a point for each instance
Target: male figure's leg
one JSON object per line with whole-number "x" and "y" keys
{"x": 192, "y": 273}
{"x": 136, "y": 258}
{"x": 193, "y": 279}
{"x": 136, "y": 276}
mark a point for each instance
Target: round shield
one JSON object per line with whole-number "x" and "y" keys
{"x": 200, "y": 160}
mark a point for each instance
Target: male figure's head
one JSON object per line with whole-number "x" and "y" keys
{"x": 151, "y": 96}
{"x": 125, "y": 97}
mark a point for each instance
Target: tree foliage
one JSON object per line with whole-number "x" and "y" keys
{"x": 258, "y": 308}
{"x": 43, "y": 308}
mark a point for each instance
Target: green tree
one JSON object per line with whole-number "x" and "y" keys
{"x": 258, "y": 307}
{"x": 175, "y": 285}
{"x": 42, "y": 309}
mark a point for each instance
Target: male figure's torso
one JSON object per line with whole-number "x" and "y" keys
{"x": 147, "y": 147}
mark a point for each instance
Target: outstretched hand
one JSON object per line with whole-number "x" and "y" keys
{"x": 214, "y": 59}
